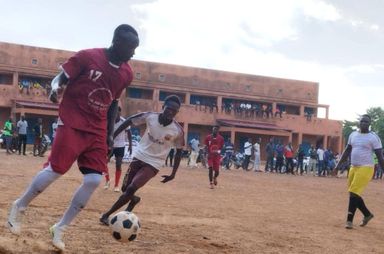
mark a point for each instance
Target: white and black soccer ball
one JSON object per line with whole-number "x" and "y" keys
{"x": 125, "y": 226}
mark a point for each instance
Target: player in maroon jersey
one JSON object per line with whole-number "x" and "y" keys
{"x": 94, "y": 80}
{"x": 214, "y": 143}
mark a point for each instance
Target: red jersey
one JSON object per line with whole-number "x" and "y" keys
{"x": 93, "y": 83}
{"x": 214, "y": 144}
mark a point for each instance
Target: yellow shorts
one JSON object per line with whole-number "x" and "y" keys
{"x": 358, "y": 178}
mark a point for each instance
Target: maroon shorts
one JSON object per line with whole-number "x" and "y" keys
{"x": 139, "y": 173}
{"x": 214, "y": 162}
{"x": 90, "y": 150}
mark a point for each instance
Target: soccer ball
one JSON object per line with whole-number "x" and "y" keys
{"x": 125, "y": 226}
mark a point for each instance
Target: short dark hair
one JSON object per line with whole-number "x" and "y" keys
{"x": 123, "y": 29}
{"x": 366, "y": 115}
{"x": 172, "y": 98}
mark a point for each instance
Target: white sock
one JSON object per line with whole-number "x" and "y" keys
{"x": 41, "y": 181}
{"x": 80, "y": 198}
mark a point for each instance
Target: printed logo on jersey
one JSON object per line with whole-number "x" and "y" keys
{"x": 99, "y": 99}
{"x": 167, "y": 137}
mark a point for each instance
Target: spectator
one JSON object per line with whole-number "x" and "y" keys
{"x": 312, "y": 160}
{"x": 288, "y": 153}
{"x": 38, "y": 131}
{"x": 247, "y": 153}
{"x": 54, "y": 128}
{"x": 194, "y": 143}
{"x": 300, "y": 159}
{"x": 8, "y": 133}
{"x": 229, "y": 150}
{"x": 256, "y": 151}
{"x": 279, "y": 157}
{"x": 22, "y": 126}
{"x": 170, "y": 156}
{"x": 320, "y": 162}
{"x": 269, "y": 149}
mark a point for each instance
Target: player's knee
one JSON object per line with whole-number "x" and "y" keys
{"x": 130, "y": 191}
{"x": 136, "y": 199}
{"x": 92, "y": 181}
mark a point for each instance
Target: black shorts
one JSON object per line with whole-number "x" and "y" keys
{"x": 118, "y": 152}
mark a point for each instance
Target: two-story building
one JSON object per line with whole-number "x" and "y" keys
{"x": 245, "y": 106}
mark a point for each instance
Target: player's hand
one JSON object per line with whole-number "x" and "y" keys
{"x": 167, "y": 178}
{"x": 54, "y": 95}
{"x": 110, "y": 142}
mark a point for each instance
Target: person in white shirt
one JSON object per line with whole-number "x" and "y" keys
{"x": 360, "y": 148}
{"x": 22, "y": 126}
{"x": 194, "y": 143}
{"x": 54, "y": 128}
{"x": 118, "y": 150}
{"x": 256, "y": 151}
{"x": 162, "y": 133}
{"x": 320, "y": 160}
{"x": 247, "y": 153}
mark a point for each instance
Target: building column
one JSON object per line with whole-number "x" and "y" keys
{"x": 187, "y": 99}
{"x": 327, "y": 113}
{"x": 274, "y": 105}
{"x": 219, "y": 102}
{"x": 290, "y": 137}
{"x": 302, "y": 107}
{"x": 300, "y": 138}
{"x": 155, "y": 99}
{"x": 185, "y": 129}
{"x": 15, "y": 79}
{"x": 325, "y": 142}
{"x": 340, "y": 144}
{"x": 233, "y": 135}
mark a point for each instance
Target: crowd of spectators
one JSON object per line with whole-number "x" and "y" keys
{"x": 26, "y": 85}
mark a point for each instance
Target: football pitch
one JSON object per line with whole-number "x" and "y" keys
{"x": 246, "y": 213}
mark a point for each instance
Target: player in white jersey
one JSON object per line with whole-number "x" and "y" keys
{"x": 162, "y": 133}
{"x": 118, "y": 150}
{"x": 361, "y": 146}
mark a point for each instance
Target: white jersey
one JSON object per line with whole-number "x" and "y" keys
{"x": 157, "y": 140}
{"x": 363, "y": 146}
{"x": 120, "y": 139}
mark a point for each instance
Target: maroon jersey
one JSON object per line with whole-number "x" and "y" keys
{"x": 93, "y": 83}
{"x": 214, "y": 144}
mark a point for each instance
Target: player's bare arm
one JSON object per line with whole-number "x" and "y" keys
{"x": 57, "y": 85}
{"x": 379, "y": 155}
{"x": 346, "y": 153}
{"x": 112, "y": 113}
{"x": 176, "y": 163}
{"x": 129, "y": 135}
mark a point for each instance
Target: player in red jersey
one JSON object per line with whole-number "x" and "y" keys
{"x": 214, "y": 143}
{"x": 94, "y": 80}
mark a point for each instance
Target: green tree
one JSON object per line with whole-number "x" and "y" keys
{"x": 377, "y": 124}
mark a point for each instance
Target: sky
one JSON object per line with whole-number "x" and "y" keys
{"x": 337, "y": 43}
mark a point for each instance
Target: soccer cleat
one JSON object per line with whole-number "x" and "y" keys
{"x": 366, "y": 219}
{"x": 215, "y": 181}
{"x": 117, "y": 189}
{"x": 14, "y": 218}
{"x": 104, "y": 220}
{"x": 56, "y": 233}
{"x": 106, "y": 185}
{"x": 349, "y": 225}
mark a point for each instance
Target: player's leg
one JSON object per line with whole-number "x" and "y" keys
{"x": 106, "y": 175}
{"x": 119, "y": 161}
{"x": 216, "y": 168}
{"x": 139, "y": 174}
{"x": 92, "y": 163}
{"x": 210, "y": 171}
{"x": 62, "y": 157}
{"x": 134, "y": 201}
{"x": 91, "y": 181}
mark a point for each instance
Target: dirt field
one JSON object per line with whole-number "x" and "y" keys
{"x": 247, "y": 213}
